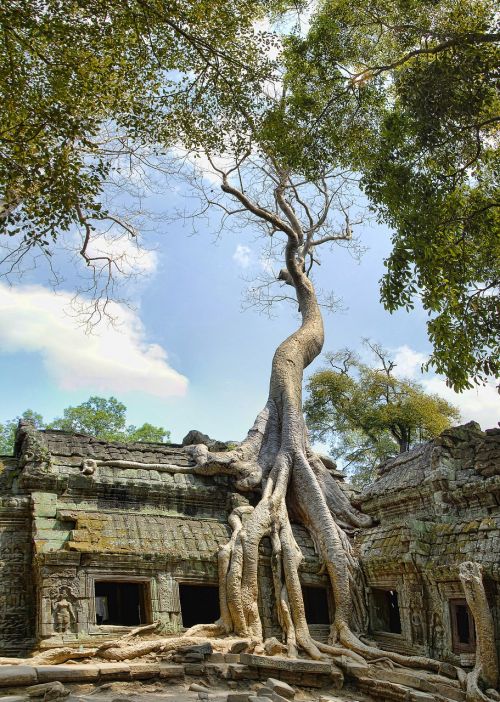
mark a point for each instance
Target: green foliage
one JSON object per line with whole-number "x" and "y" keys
{"x": 8, "y": 430}
{"x": 407, "y": 94}
{"x": 368, "y": 414}
{"x": 72, "y": 73}
{"x": 103, "y": 418}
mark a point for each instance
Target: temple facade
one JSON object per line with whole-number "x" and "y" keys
{"x": 97, "y": 538}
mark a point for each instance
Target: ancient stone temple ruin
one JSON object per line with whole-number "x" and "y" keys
{"x": 97, "y": 538}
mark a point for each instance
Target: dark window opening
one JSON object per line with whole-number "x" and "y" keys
{"x": 385, "y": 611}
{"x": 199, "y": 604}
{"x": 462, "y": 627}
{"x": 121, "y": 603}
{"x": 316, "y": 605}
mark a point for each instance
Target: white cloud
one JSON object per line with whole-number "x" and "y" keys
{"x": 112, "y": 359}
{"x": 408, "y": 362}
{"x": 480, "y": 404}
{"x": 243, "y": 256}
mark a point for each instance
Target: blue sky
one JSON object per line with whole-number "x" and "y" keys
{"x": 188, "y": 356}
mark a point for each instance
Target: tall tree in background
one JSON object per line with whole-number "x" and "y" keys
{"x": 368, "y": 414}
{"x": 100, "y": 417}
{"x": 408, "y": 93}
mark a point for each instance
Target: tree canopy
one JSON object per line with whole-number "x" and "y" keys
{"x": 368, "y": 414}
{"x": 100, "y": 417}
{"x": 86, "y": 85}
{"x": 407, "y": 95}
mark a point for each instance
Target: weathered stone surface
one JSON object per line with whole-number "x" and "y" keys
{"x": 143, "y": 671}
{"x": 170, "y": 670}
{"x": 114, "y": 671}
{"x": 282, "y": 688}
{"x": 13, "y": 675}
{"x": 239, "y": 646}
{"x": 294, "y": 665}
{"x": 238, "y": 697}
{"x": 194, "y": 668}
{"x": 67, "y": 673}
{"x": 47, "y": 691}
{"x": 236, "y": 671}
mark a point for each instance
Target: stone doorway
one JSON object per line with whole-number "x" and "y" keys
{"x": 121, "y": 603}
{"x": 199, "y": 604}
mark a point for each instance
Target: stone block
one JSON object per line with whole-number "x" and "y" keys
{"x": 114, "y": 671}
{"x": 241, "y": 672}
{"x": 44, "y": 504}
{"x": 48, "y": 691}
{"x": 216, "y": 657}
{"x": 13, "y": 675}
{"x": 194, "y": 668}
{"x": 169, "y": 670}
{"x": 294, "y": 665}
{"x": 232, "y": 658}
{"x": 143, "y": 671}
{"x": 282, "y": 688}
{"x": 67, "y": 673}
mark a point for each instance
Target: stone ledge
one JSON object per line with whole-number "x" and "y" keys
{"x": 297, "y": 671}
{"x": 294, "y": 665}
{"x": 13, "y": 675}
{"x": 24, "y": 675}
{"x": 67, "y": 673}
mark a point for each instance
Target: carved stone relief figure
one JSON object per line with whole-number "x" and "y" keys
{"x": 417, "y": 628}
{"x": 63, "y": 610}
{"x": 437, "y": 635}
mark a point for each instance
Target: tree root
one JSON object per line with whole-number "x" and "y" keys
{"x": 485, "y": 672}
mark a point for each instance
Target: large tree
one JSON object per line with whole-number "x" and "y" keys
{"x": 105, "y": 418}
{"x": 257, "y": 147}
{"x": 369, "y": 414}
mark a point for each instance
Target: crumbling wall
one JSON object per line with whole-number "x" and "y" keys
{"x": 16, "y": 587}
{"x": 436, "y": 507}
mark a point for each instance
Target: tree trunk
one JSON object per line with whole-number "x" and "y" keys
{"x": 485, "y": 671}
{"x": 276, "y": 457}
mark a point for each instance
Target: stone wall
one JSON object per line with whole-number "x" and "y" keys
{"x": 436, "y": 506}
{"x": 115, "y": 513}
{"x": 16, "y": 588}
{"x": 75, "y": 511}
